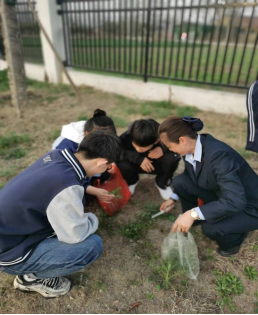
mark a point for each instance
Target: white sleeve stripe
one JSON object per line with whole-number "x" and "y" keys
{"x": 250, "y": 110}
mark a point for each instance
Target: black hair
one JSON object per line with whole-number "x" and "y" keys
{"x": 176, "y": 127}
{"x": 101, "y": 144}
{"x": 99, "y": 121}
{"x": 144, "y": 132}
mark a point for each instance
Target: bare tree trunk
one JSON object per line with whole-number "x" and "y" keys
{"x": 14, "y": 56}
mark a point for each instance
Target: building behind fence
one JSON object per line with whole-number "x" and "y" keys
{"x": 202, "y": 41}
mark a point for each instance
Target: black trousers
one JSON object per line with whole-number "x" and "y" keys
{"x": 227, "y": 232}
{"x": 164, "y": 168}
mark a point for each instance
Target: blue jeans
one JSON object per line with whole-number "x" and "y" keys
{"x": 53, "y": 258}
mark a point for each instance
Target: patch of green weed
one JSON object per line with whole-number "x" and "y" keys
{"x": 145, "y": 110}
{"x": 210, "y": 255}
{"x": 8, "y": 173}
{"x": 227, "y": 286}
{"x": 255, "y": 247}
{"x": 106, "y": 223}
{"x": 232, "y": 135}
{"x": 13, "y": 139}
{"x": 186, "y": 111}
{"x": 80, "y": 278}
{"x": 15, "y": 153}
{"x": 125, "y": 100}
{"x": 54, "y": 134}
{"x": 120, "y": 122}
{"x": 82, "y": 117}
{"x": 251, "y": 273}
{"x": 245, "y": 154}
{"x": 1, "y": 185}
{"x": 243, "y": 119}
{"x": 4, "y": 81}
{"x": 149, "y": 296}
{"x": 165, "y": 272}
{"x": 51, "y": 98}
{"x": 10, "y": 145}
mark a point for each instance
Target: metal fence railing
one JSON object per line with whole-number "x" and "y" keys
{"x": 30, "y": 32}
{"x": 203, "y": 41}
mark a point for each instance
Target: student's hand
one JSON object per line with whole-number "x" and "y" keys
{"x": 156, "y": 153}
{"x": 104, "y": 196}
{"x": 147, "y": 166}
{"x": 169, "y": 205}
{"x": 183, "y": 223}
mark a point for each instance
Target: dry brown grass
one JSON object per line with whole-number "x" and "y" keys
{"x": 120, "y": 281}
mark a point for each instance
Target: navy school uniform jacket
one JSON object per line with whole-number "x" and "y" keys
{"x": 225, "y": 172}
{"x": 45, "y": 200}
{"x": 129, "y": 152}
{"x": 252, "y": 124}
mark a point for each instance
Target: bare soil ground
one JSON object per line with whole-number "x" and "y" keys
{"x": 125, "y": 279}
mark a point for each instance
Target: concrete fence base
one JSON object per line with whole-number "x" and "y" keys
{"x": 221, "y": 102}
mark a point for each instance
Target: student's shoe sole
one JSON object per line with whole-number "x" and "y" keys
{"x": 19, "y": 286}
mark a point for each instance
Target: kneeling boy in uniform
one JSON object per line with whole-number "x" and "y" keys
{"x": 44, "y": 232}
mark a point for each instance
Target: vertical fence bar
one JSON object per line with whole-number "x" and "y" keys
{"x": 210, "y": 45}
{"x": 79, "y": 26}
{"x": 97, "y": 62}
{"x": 142, "y": 34}
{"x": 234, "y": 53}
{"x": 125, "y": 37}
{"x": 217, "y": 50}
{"x": 32, "y": 22}
{"x": 153, "y": 38}
{"x": 179, "y": 43}
{"x": 131, "y": 34}
{"x": 187, "y": 37}
{"x": 75, "y": 41}
{"x": 29, "y": 19}
{"x": 114, "y": 37}
{"x": 119, "y": 35}
{"x": 70, "y": 19}
{"x": 147, "y": 42}
{"x": 69, "y": 33}
{"x": 136, "y": 39}
{"x": 246, "y": 40}
{"x": 159, "y": 46}
{"x": 166, "y": 38}
{"x": 86, "y": 36}
{"x": 172, "y": 42}
{"x": 109, "y": 36}
{"x": 195, "y": 32}
{"x": 251, "y": 61}
{"x": 203, "y": 35}
{"x": 99, "y": 35}
{"x": 226, "y": 49}
{"x": 65, "y": 35}
{"x": 104, "y": 35}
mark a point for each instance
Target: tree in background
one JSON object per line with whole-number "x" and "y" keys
{"x": 14, "y": 56}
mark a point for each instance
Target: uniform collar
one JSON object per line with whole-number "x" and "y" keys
{"x": 71, "y": 158}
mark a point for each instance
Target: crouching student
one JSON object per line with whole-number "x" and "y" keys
{"x": 72, "y": 135}
{"x": 143, "y": 153}
{"x": 218, "y": 175}
{"x": 44, "y": 232}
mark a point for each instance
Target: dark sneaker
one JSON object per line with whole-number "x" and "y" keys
{"x": 229, "y": 252}
{"x": 49, "y": 288}
{"x": 233, "y": 250}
